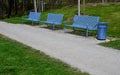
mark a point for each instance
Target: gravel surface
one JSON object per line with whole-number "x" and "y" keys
{"x": 78, "y": 51}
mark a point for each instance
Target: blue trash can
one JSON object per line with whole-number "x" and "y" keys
{"x": 102, "y": 31}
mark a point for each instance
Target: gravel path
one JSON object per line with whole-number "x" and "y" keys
{"x": 77, "y": 51}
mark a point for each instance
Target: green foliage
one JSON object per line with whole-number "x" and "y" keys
{"x": 14, "y": 20}
{"x": 18, "y": 59}
{"x": 113, "y": 44}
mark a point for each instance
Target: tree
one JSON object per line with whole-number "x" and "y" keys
{"x": 35, "y": 6}
{"x": 10, "y": 5}
{"x": 1, "y": 9}
{"x": 78, "y": 7}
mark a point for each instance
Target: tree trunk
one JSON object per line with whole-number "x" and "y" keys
{"x": 35, "y": 6}
{"x": 16, "y": 6}
{"x": 1, "y": 9}
{"x": 10, "y": 2}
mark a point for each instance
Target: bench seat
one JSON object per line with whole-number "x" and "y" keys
{"x": 84, "y": 22}
{"x": 33, "y": 16}
{"x": 54, "y": 19}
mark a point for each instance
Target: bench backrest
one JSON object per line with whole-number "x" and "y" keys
{"x": 34, "y": 15}
{"x": 56, "y": 18}
{"x": 84, "y": 21}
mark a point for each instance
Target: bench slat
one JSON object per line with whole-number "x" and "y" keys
{"x": 54, "y": 19}
{"x": 85, "y": 22}
{"x": 33, "y": 16}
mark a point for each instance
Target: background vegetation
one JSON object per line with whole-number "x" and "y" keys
{"x": 10, "y": 8}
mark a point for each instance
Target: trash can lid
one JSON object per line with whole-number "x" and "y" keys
{"x": 102, "y": 26}
{"x": 103, "y": 23}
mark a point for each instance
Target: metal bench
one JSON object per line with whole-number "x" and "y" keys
{"x": 33, "y": 16}
{"x": 54, "y": 19}
{"x": 84, "y": 22}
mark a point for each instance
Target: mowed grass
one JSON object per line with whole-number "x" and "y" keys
{"x": 113, "y": 44}
{"x": 18, "y": 59}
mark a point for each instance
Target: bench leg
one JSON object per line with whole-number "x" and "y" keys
{"x": 32, "y": 23}
{"x": 73, "y": 29}
{"x": 53, "y": 27}
{"x": 64, "y": 30}
{"x": 86, "y": 33}
{"x": 39, "y": 22}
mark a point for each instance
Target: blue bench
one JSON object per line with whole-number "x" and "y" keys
{"x": 84, "y": 22}
{"x": 33, "y": 16}
{"x": 54, "y": 19}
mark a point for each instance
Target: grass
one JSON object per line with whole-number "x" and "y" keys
{"x": 108, "y": 13}
{"x": 113, "y": 44}
{"x": 18, "y": 59}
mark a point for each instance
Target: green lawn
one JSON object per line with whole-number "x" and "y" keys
{"x": 108, "y": 13}
{"x": 18, "y": 59}
{"x": 113, "y": 44}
